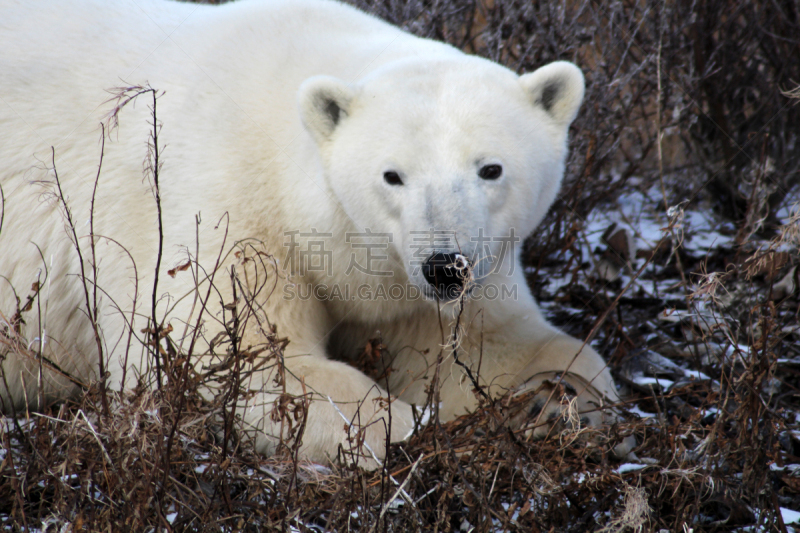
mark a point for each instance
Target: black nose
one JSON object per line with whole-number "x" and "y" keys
{"x": 447, "y": 273}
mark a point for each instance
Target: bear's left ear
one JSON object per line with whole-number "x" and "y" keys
{"x": 557, "y": 88}
{"x": 324, "y": 102}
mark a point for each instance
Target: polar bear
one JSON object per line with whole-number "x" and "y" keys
{"x": 387, "y": 178}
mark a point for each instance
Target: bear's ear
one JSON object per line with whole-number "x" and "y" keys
{"x": 557, "y": 88}
{"x": 324, "y": 102}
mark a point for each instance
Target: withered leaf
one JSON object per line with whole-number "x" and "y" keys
{"x": 179, "y": 268}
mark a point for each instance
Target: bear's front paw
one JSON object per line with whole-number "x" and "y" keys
{"x": 567, "y": 406}
{"x": 363, "y": 436}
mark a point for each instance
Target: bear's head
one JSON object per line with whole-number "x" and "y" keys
{"x": 457, "y": 159}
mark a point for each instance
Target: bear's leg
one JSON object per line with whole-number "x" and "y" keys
{"x": 346, "y": 411}
{"x": 523, "y": 353}
{"x": 511, "y": 350}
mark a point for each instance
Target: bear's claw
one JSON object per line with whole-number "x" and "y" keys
{"x": 566, "y": 406}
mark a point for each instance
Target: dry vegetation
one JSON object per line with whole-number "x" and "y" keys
{"x": 692, "y": 100}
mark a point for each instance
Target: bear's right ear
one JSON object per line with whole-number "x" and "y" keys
{"x": 324, "y": 102}
{"x": 557, "y": 88}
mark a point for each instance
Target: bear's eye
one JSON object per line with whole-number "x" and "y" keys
{"x": 490, "y": 172}
{"x": 392, "y": 178}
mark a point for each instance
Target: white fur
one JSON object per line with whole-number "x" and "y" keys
{"x": 248, "y": 133}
